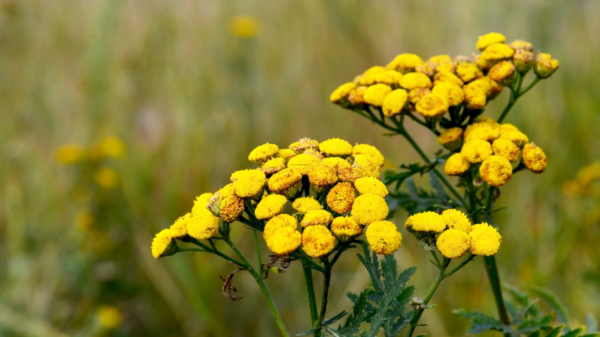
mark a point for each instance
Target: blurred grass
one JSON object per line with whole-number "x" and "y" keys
{"x": 190, "y": 101}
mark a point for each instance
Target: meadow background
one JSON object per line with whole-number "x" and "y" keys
{"x": 190, "y": 100}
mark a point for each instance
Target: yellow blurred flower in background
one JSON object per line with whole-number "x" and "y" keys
{"x": 84, "y": 220}
{"x": 110, "y": 317}
{"x": 244, "y": 26}
{"x": 69, "y": 154}
{"x": 106, "y": 178}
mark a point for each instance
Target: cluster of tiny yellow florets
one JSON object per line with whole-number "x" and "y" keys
{"x": 347, "y": 195}
{"x": 431, "y": 87}
{"x": 453, "y": 233}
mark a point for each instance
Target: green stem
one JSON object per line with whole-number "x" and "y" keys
{"x": 192, "y": 250}
{"x": 312, "y": 302}
{"x": 263, "y": 288}
{"x": 515, "y": 95}
{"x": 533, "y": 83}
{"x": 257, "y": 250}
{"x": 492, "y": 271}
{"x": 326, "y": 284}
{"x": 216, "y": 252}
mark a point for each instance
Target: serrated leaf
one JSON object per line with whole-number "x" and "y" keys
{"x": 357, "y": 316}
{"x": 372, "y": 264}
{"x": 536, "y": 323}
{"x": 480, "y": 321}
{"x": 405, "y": 296}
{"x": 306, "y": 333}
{"x": 335, "y": 318}
{"x": 574, "y": 333}
{"x": 390, "y": 271}
{"x": 380, "y": 316}
{"x": 561, "y": 312}
{"x": 595, "y": 334}
{"x": 554, "y": 332}
{"x": 406, "y": 274}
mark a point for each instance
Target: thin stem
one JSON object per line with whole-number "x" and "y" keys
{"x": 312, "y": 302}
{"x": 533, "y": 83}
{"x": 263, "y": 288}
{"x": 326, "y": 284}
{"x": 192, "y": 250}
{"x": 216, "y": 252}
{"x": 515, "y": 95}
{"x": 492, "y": 271}
{"x": 257, "y": 250}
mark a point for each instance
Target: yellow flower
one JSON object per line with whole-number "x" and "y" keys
{"x": 468, "y": 72}
{"x": 442, "y": 63}
{"x": 488, "y": 121}
{"x": 493, "y": 88}
{"x": 456, "y": 219}
{"x": 179, "y": 227}
{"x": 375, "y": 94}
{"x": 506, "y": 127}
{"x": 109, "y": 317}
{"x": 341, "y": 197}
{"x": 306, "y": 204}
{"x": 203, "y": 225}
{"x": 497, "y": 52}
{"x": 415, "y": 95}
{"x": 447, "y": 77}
{"x": 163, "y": 244}
{"x": 505, "y": 148}
{"x": 475, "y": 97}
{"x": 322, "y": 177}
{"x": 112, "y": 147}
{"x": 317, "y": 241}
{"x": 545, "y": 65}
{"x": 496, "y": 170}
{"x": 453, "y": 94}
{"x": 405, "y": 63}
{"x": 284, "y": 241}
{"x": 106, "y": 178}
{"x": 476, "y": 151}
{"x": 534, "y": 158}
{"x": 335, "y": 163}
{"x": 369, "y": 208}
{"x": 315, "y": 153}
{"x": 521, "y": 45}
{"x": 201, "y": 202}
{"x": 270, "y": 206}
{"x": 342, "y": 92}
{"x": 426, "y": 68}
{"x": 357, "y": 96}
{"x": 286, "y": 154}
{"x": 485, "y": 240}
{"x": 389, "y": 77}
{"x": 278, "y": 222}
{"x": 84, "y": 220}
{"x": 481, "y": 131}
{"x": 304, "y": 144}
{"x": 230, "y": 205}
{"x": 451, "y": 139}
{"x": 503, "y": 73}
{"x": 523, "y": 61}
{"x": 370, "y": 185}
{"x": 274, "y": 165}
{"x": 335, "y": 147}
{"x": 303, "y": 163}
{"x": 350, "y": 174}
{"x": 456, "y": 165}
{"x": 517, "y": 137}
{"x": 395, "y": 102}
{"x": 426, "y": 222}
{"x": 243, "y": 26}
{"x": 263, "y": 153}
{"x": 285, "y": 182}
{"x": 453, "y": 243}
{"x": 316, "y": 218}
{"x": 345, "y": 227}
{"x": 489, "y": 39}
{"x": 249, "y": 183}
{"x": 432, "y": 106}
{"x": 383, "y": 237}
{"x": 69, "y": 154}
{"x": 415, "y": 81}
{"x": 368, "y": 165}
{"x": 369, "y": 151}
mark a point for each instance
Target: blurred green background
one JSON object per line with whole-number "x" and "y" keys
{"x": 189, "y": 99}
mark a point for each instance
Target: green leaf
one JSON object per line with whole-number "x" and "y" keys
{"x": 372, "y": 264}
{"x": 390, "y": 271}
{"x": 575, "y": 333}
{"x": 380, "y": 316}
{"x": 561, "y": 312}
{"x": 554, "y": 332}
{"x": 357, "y": 316}
{"x": 536, "y": 323}
{"x": 481, "y": 322}
{"x": 307, "y": 332}
{"x": 335, "y": 318}
{"x": 406, "y": 274}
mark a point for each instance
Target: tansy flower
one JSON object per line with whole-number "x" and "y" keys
{"x": 284, "y": 241}
{"x": 521, "y": 45}
{"x": 453, "y": 243}
{"x": 405, "y": 63}
{"x": 493, "y": 88}
{"x": 523, "y": 61}
{"x": 503, "y": 73}
{"x": 304, "y": 144}
{"x": 395, "y": 102}
{"x": 481, "y": 131}
{"x": 534, "y": 158}
{"x": 475, "y": 98}
{"x": 322, "y": 177}
{"x": 286, "y": 154}
{"x": 109, "y": 317}
{"x": 545, "y": 65}
{"x": 426, "y": 68}
{"x": 375, "y": 94}
{"x": 106, "y": 178}
{"x": 342, "y": 92}
{"x": 442, "y": 63}
{"x": 243, "y": 26}
{"x": 306, "y": 204}
{"x": 497, "y": 52}
{"x": 357, "y": 96}
{"x": 448, "y": 77}
{"x": 389, "y": 77}
{"x": 488, "y": 121}
{"x": 317, "y": 241}
{"x": 84, "y": 220}
{"x": 270, "y": 206}
{"x": 485, "y": 240}
{"x": 335, "y": 147}
{"x": 335, "y": 163}
{"x": 250, "y": 183}
{"x": 263, "y": 153}
{"x": 496, "y": 170}
{"x": 476, "y": 151}
{"x": 345, "y": 227}
{"x": 112, "y": 147}
{"x": 506, "y": 127}
{"x": 453, "y": 94}
{"x": 517, "y": 137}
{"x": 371, "y": 185}
{"x": 489, "y": 39}
{"x": 480, "y": 62}
{"x": 505, "y": 148}
{"x": 426, "y": 222}
{"x": 163, "y": 244}
{"x": 69, "y": 154}
{"x": 317, "y": 218}
{"x": 415, "y": 81}
{"x": 350, "y": 174}
{"x": 179, "y": 227}
{"x": 383, "y": 237}
{"x": 415, "y": 95}
{"x": 231, "y": 207}
{"x": 341, "y": 197}
{"x": 432, "y": 106}
{"x": 368, "y": 165}
{"x": 201, "y": 202}
{"x": 456, "y": 219}
{"x": 274, "y": 165}
{"x": 285, "y": 182}
{"x": 277, "y": 222}
{"x": 468, "y": 72}
{"x": 369, "y": 151}
{"x": 451, "y": 139}
{"x": 315, "y": 153}
{"x": 303, "y": 163}
{"x": 369, "y": 208}
{"x": 203, "y": 226}
{"x": 456, "y": 165}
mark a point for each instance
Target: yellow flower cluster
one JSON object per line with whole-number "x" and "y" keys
{"x": 490, "y": 147}
{"x": 583, "y": 184}
{"x": 456, "y": 234}
{"x": 334, "y": 188}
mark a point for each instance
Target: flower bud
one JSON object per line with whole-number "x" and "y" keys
{"x": 503, "y": 73}
{"x": 523, "y": 60}
{"x": 545, "y": 65}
